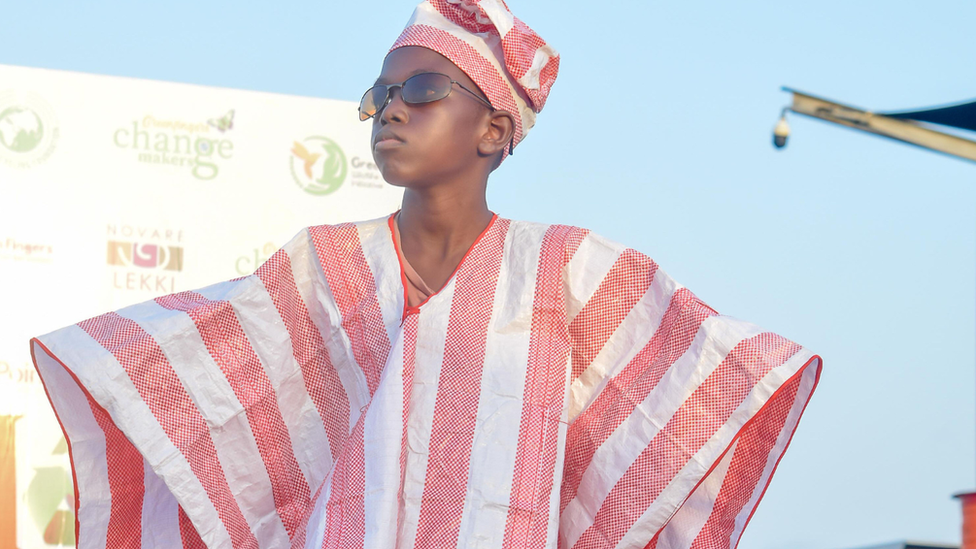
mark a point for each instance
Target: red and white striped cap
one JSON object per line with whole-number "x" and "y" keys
{"x": 506, "y": 59}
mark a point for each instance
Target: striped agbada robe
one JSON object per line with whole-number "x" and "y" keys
{"x": 560, "y": 391}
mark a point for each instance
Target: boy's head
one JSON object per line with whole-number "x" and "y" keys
{"x": 484, "y": 76}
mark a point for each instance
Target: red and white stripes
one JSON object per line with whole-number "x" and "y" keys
{"x": 560, "y": 391}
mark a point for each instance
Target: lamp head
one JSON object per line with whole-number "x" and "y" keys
{"x": 781, "y": 132}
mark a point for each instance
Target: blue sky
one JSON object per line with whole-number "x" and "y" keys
{"x": 657, "y": 134}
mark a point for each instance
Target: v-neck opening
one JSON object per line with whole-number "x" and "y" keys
{"x": 407, "y": 309}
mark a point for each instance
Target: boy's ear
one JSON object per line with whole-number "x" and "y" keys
{"x": 501, "y": 129}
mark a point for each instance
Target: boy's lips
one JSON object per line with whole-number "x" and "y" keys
{"x": 386, "y": 140}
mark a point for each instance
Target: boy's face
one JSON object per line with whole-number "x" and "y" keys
{"x": 422, "y": 145}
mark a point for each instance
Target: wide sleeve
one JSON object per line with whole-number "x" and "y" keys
{"x": 678, "y": 416}
{"x": 199, "y": 419}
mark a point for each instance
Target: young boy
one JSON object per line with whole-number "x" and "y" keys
{"x": 442, "y": 377}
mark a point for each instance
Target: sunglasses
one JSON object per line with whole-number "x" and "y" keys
{"x": 420, "y": 88}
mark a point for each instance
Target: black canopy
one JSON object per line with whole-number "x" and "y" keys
{"x": 961, "y": 115}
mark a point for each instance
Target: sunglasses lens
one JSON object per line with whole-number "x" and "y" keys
{"x": 427, "y": 87}
{"x": 421, "y": 88}
{"x": 372, "y": 101}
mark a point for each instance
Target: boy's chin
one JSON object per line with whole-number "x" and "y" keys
{"x": 402, "y": 178}
{"x": 395, "y": 179}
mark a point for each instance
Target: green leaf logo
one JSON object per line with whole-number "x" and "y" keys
{"x": 318, "y": 165}
{"x": 50, "y": 498}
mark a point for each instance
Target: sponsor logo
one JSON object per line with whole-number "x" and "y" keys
{"x": 365, "y": 174}
{"x": 223, "y": 123}
{"x": 144, "y": 258}
{"x": 319, "y": 166}
{"x": 19, "y": 250}
{"x": 144, "y": 255}
{"x": 44, "y": 506}
{"x": 10, "y": 373}
{"x": 28, "y": 130}
{"x": 50, "y": 499}
{"x": 248, "y": 263}
{"x": 193, "y": 146}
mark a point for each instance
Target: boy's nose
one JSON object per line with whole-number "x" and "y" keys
{"x": 395, "y": 108}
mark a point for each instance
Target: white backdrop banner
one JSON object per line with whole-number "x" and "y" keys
{"x": 116, "y": 190}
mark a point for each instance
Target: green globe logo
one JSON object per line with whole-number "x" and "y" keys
{"x": 28, "y": 129}
{"x": 21, "y": 130}
{"x": 318, "y": 165}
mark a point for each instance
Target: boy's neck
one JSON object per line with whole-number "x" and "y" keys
{"x": 442, "y": 222}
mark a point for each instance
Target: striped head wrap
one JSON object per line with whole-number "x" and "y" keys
{"x": 511, "y": 64}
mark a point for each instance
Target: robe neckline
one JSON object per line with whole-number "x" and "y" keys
{"x": 415, "y": 278}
